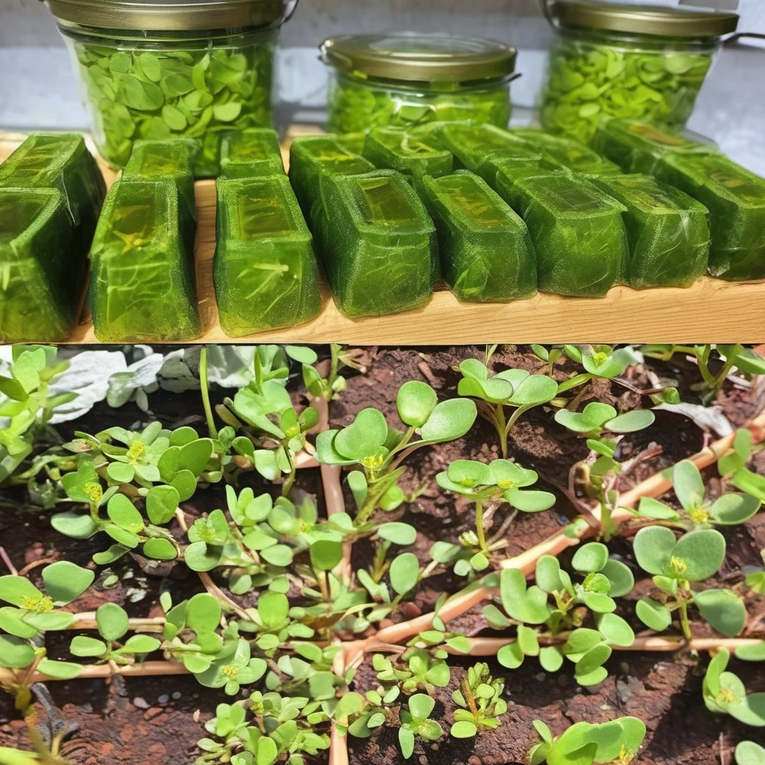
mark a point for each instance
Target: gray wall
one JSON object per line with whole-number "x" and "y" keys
{"x": 38, "y": 90}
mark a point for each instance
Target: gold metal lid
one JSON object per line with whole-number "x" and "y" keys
{"x": 172, "y": 15}
{"x": 662, "y": 21}
{"x": 420, "y": 57}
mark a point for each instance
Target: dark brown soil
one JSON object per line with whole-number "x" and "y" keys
{"x": 145, "y": 720}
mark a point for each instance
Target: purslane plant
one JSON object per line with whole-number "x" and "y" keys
{"x": 488, "y": 487}
{"x": 538, "y": 621}
{"x": 480, "y": 702}
{"x": 370, "y": 443}
{"x": 724, "y": 693}
{"x": 676, "y": 565}
{"x": 617, "y": 741}
{"x": 512, "y": 389}
{"x": 728, "y": 509}
{"x": 749, "y": 753}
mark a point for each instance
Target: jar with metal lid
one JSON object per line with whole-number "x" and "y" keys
{"x": 160, "y": 69}
{"x": 411, "y": 79}
{"x": 642, "y": 62}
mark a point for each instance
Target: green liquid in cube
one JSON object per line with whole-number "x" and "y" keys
{"x": 637, "y": 147}
{"x": 142, "y": 281}
{"x": 559, "y": 153}
{"x": 668, "y": 231}
{"x": 735, "y": 199}
{"x": 265, "y": 268}
{"x": 377, "y": 242}
{"x": 41, "y": 272}
{"x": 577, "y": 231}
{"x": 412, "y": 156}
{"x": 251, "y": 154}
{"x": 354, "y": 142}
{"x": 59, "y": 162}
{"x": 171, "y": 160}
{"x": 314, "y": 157}
{"x": 485, "y": 248}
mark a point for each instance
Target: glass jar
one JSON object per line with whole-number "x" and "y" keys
{"x": 646, "y": 63}
{"x": 162, "y": 69}
{"x": 405, "y": 80}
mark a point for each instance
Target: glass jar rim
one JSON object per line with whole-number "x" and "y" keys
{"x": 412, "y": 57}
{"x": 172, "y": 15}
{"x": 661, "y": 21}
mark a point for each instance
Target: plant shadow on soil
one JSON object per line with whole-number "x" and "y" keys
{"x": 144, "y": 720}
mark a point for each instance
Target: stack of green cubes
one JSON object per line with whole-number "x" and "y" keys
{"x": 577, "y": 230}
{"x": 251, "y": 153}
{"x": 378, "y": 244}
{"x": 142, "y": 283}
{"x": 735, "y": 199}
{"x": 315, "y": 157}
{"x": 265, "y": 269}
{"x": 478, "y": 147}
{"x": 51, "y": 193}
{"x": 485, "y": 248}
{"x": 413, "y": 156}
{"x": 668, "y": 231}
{"x": 638, "y": 147}
{"x": 560, "y": 153}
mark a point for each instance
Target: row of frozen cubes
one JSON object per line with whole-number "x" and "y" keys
{"x": 526, "y": 210}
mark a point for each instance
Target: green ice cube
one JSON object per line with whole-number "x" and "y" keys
{"x": 265, "y": 269}
{"x": 478, "y": 148}
{"x": 42, "y": 272}
{"x": 486, "y": 251}
{"x": 314, "y": 157}
{"x": 401, "y": 150}
{"x": 637, "y": 147}
{"x": 668, "y": 231}
{"x": 170, "y": 160}
{"x": 378, "y": 244}
{"x": 142, "y": 274}
{"x": 61, "y": 161}
{"x": 560, "y": 153}
{"x": 251, "y": 153}
{"x": 735, "y": 198}
{"x": 354, "y": 142}
{"x": 577, "y": 230}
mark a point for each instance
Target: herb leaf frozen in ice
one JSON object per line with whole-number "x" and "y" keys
{"x": 411, "y": 155}
{"x": 251, "y": 153}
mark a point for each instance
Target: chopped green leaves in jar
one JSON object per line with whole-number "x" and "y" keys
{"x": 198, "y": 90}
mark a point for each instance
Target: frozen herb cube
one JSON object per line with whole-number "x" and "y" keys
{"x": 354, "y": 142}
{"x": 559, "y": 152}
{"x": 668, "y": 231}
{"x": 637, "y": 147}
{"x": 251, "y": 153}
{"x": 171, "y": 160}
{"x": 142, "y": 273}
{"x": 42, "y": 272}
{"x": 735, "y": 198}
{"x": 485, "y": 248}
{"x": 577, "y": 231}
{"x": 401, "y": 150}
{"x": 476, "y": 146}
{"x": 60, "y": 161}
{"x": 314, "y": 157}
{"x": 265, "y": 269}
{"x": 378, "y": 244}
